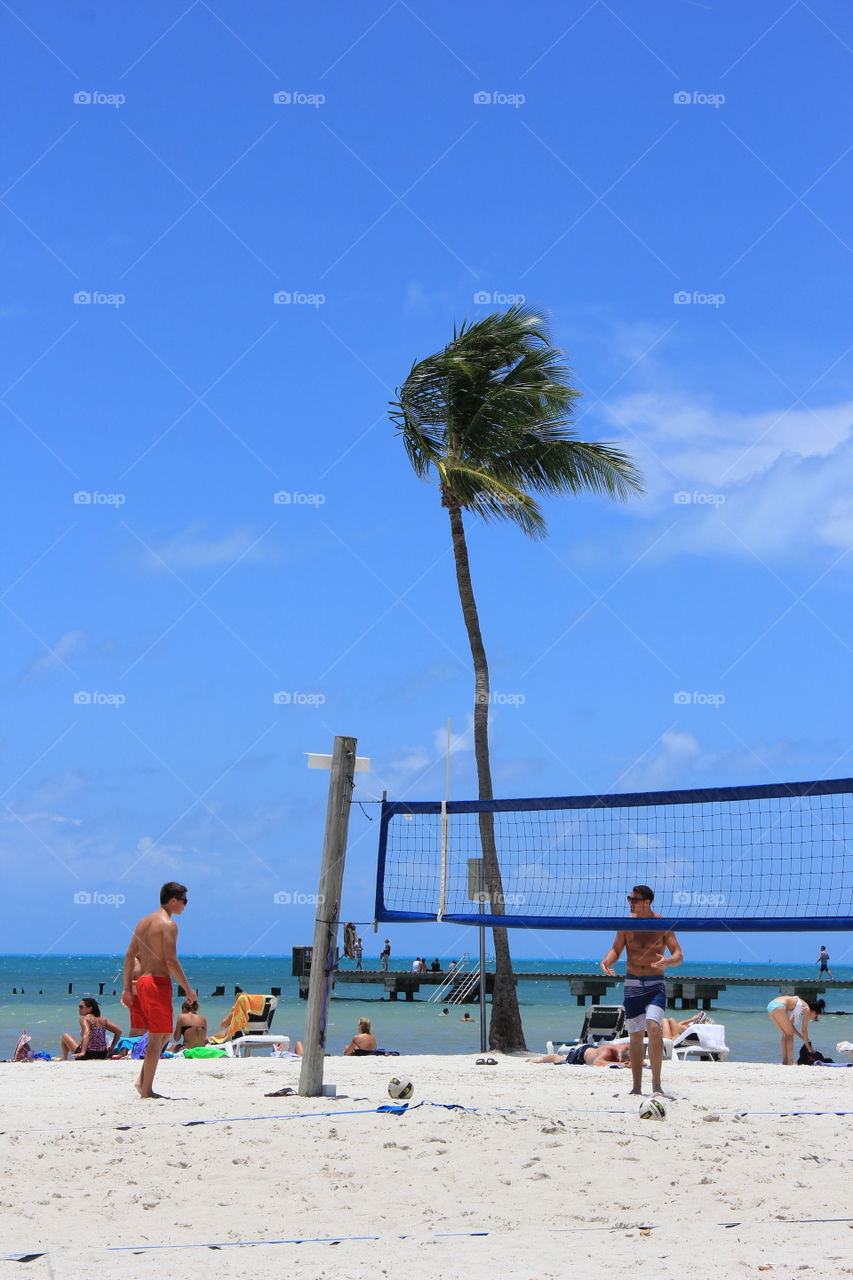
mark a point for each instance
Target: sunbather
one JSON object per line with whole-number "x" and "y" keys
{"x": 363, "y": 1041}
{"x": 672, "y": 1028}
{"x": 190, "y": 1028}
{"x": 588, "y": 1055}
{"x": 93, "y": 1037}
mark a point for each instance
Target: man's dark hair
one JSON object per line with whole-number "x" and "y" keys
{"x": 172, "y": 890}
{"x": 644, "y": 891}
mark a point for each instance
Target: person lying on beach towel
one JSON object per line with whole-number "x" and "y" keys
{"x": 588, "y": 1055}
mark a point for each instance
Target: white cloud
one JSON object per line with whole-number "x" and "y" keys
{"x": 62, "y": 649}
{"x": 766, "y": 483}
{"x": 191, "y": 549}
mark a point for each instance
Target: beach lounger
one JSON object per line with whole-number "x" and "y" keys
{"x": 255, "y": 1033}
{"x": 703, "y": 1040}
{"x": 602, "y": 1023}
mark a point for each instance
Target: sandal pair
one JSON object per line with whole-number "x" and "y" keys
{"x": 486, "y": 1062}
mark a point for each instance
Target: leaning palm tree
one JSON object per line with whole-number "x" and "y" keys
{"x": 490, "y": 414}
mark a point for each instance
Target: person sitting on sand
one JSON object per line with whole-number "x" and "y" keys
{"x": 589, "y": 1055}
{"x": 190, "y": 1028}
{"x": 362, "y": 1042}
{"x": 93, "y": 1038}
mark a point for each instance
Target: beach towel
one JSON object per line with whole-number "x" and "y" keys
{"x": 205, "y": 1051}
{"x": 711, "y": 1036}
{"x": 243, "y": 1006}
{"x": 23, "y": 1053}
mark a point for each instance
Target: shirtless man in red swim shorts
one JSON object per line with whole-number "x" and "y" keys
{"x": 154, "y": 946}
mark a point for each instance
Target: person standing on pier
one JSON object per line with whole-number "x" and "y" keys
{"x": 823, "y": 961}
{"x": 154, "y": 944}
{"x": 385, "y": 955}
{"x": 645, "y": 985}
{"x": 358, "y": 948}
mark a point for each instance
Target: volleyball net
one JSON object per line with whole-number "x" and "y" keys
{"x": 760, "y": 858}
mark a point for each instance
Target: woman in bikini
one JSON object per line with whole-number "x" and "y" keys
{"x": 792, "y": 1016}
{"x": 93, "y": 1034}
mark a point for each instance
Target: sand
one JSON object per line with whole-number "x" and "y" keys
{"x": 554, "y": 1175}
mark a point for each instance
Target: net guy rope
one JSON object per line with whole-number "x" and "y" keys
{"x": 772, "y": 857}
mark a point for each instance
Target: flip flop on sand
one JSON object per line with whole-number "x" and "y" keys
{"x": 486, "y": 1062}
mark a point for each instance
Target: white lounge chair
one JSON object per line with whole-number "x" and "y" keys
{"x": 257, "y": 1034}
{"x": 703, "y": 1040}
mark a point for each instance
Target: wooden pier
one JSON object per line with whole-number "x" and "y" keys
{"x": 692, "y": 992}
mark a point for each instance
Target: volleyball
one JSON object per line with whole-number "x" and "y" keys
{"x": 653, "y": 1109}
{"x": 400, "y": 1088}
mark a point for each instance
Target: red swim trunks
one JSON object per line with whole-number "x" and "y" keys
{"x": 152, "y": 1005}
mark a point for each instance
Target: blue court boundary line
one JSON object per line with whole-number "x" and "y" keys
{"x": 435, "y": 1235}
{"x": 385, "y": 1109}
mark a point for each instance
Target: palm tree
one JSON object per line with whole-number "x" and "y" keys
{"x": 491, "y": 415}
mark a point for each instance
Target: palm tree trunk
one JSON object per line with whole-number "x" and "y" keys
{"x": 505, "y": 1030}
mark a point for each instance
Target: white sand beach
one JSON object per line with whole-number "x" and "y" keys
{"x": 553, "y": 1175}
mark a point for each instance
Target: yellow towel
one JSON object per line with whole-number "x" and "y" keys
{"x": 243, "y": 1006}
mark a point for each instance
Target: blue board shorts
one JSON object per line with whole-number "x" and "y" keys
{"x": 645, "y": 1001}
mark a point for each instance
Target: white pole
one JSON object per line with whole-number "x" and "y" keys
{"x": 327, "y": 918}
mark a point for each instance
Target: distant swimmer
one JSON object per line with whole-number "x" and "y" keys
{"x": 154, "y": 945}
{"x": 823, "y": 961}
{"x": 645, "y": 985}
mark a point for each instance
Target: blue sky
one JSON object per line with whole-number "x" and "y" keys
{"x": 667, "y": 182}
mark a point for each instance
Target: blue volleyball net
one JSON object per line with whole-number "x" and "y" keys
{"x": 759, "y": 858}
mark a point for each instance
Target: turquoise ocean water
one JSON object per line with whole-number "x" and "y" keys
{"x": 548, "y": 1010}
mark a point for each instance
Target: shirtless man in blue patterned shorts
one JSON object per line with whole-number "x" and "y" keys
{"x": 645, "y": 985}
